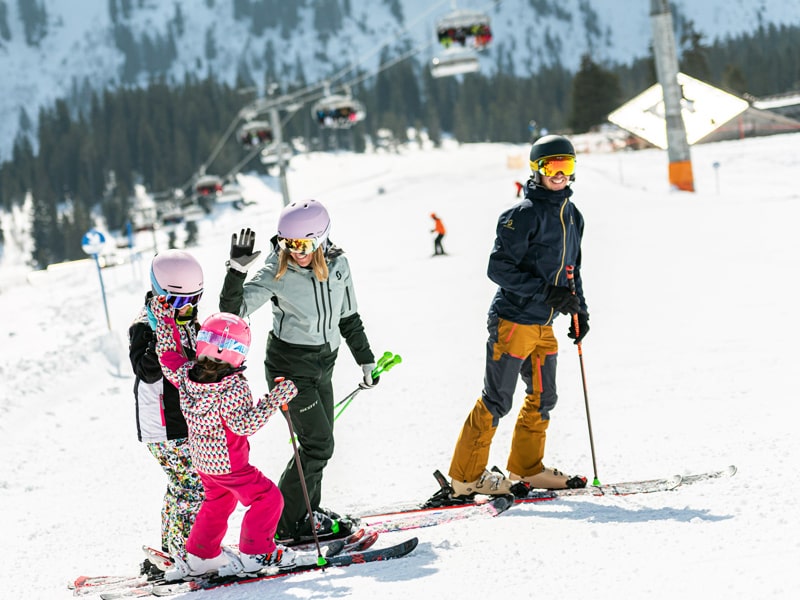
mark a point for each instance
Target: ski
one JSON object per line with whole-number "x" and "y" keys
{"x": 437, "y": 509}
{"x": 358, "y": 541}
{"x": 728, "y": 471}
{"x": 86, "y": 585}
{"x": 308, "y": 542}
{"x": 420, "y": 517}
{"x": 339, "y": 560}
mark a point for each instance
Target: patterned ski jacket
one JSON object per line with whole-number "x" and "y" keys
{"x": 158, "y": 411}
{"x": 220, "y": 415}
{"x": 536, "y": 239}
{"x": 305, "y": 311}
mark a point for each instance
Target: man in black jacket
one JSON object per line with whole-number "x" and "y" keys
{"x": 537, "y": 240}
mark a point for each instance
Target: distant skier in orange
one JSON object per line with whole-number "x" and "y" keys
{"x": 439, "y": 230}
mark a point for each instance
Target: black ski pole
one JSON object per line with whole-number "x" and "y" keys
{"x": 576, "y": 325}
{"x": 321, "y": 562}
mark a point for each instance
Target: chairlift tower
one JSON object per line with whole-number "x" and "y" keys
{"x": 680, "y": 162}
{"x": 271, "y": 105}
{"x": 278, "y": 140}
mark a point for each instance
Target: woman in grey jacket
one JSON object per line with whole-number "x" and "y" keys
{"x": 307, "y": 281}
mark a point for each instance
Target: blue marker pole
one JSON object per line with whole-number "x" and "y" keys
{"x": 102, "y": 289}
{"x": 92, "y": 242}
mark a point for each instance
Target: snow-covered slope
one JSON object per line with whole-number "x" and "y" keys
{"x": 690, "y": 363}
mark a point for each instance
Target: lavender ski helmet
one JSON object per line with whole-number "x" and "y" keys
{"x": 306, "y": 219}
{"x": 176, "y": 273}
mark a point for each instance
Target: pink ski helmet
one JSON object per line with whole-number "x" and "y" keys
{"x": 177, "y": 275}
{"x": 304, "y": 220}
{"x": 224, "y": 336}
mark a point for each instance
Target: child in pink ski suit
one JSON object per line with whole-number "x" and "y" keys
{"x": 218, "y": 405}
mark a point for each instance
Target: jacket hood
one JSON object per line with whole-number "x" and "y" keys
{"x": 201, "y": 398}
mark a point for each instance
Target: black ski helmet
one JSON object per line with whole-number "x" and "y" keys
{"x": 549, "y": 145}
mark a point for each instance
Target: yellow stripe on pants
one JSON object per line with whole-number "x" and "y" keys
{"x": 513, "y": 351}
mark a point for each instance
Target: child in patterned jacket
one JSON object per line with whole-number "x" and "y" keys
{"x": 218, "y": 405}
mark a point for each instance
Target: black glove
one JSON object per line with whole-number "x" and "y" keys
{"x": 242, "y": 255}
{"x": 583, "y": 327}
{"x": 562, "y": 299}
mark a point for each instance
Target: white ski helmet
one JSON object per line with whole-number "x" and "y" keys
{"x": 177, "y": 275}
{"x": 306, "y": 219}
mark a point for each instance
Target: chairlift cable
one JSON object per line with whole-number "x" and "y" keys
{"x": 261, "y": 105}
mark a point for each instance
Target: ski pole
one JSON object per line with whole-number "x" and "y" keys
{"x": 384, "y": 364}
{"x": 321, "y": 562}
{"x": 576, "y": 325}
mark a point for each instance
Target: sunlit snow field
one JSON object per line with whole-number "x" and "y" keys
{"x": 691, "y": 364}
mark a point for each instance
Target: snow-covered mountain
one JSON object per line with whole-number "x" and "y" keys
{"x": 51, "y": 49}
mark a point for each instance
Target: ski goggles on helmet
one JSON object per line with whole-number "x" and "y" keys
{"x": 177, "y": 301}
{"x": 222, "y": 341}
{"x": 550, "y": 165}
{"x": 299, "y": 245}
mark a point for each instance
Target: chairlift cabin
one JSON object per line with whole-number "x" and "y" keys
{"x": 255, "y": 133}
{"x": 465, "y": 29}
{"x": 338, "y": 112}
{"x": 208, "y": 186}
{"x": 455, "y": 61}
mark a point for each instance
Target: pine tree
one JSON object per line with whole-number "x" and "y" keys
{"x": 595, "y": 93}
{"x": 694, "y": 60}
{"x": 5, "y": 31}
{"x": 733, "y": 80}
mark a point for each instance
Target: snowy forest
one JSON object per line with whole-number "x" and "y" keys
{"x": 90, "y": 149}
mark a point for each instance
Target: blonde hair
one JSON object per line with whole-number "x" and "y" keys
{"x": 318, "y": 264}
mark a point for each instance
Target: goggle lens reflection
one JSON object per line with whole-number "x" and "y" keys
{"x": 181, "y": 301}
{"x": 549, "y": 166}
{"x": 298, "y": 246}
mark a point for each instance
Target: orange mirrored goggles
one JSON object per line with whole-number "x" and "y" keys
{"x": 550, "y": 165}
{"x": 299, "y": 245}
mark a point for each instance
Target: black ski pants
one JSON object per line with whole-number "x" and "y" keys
{"x": 311, "y": 411}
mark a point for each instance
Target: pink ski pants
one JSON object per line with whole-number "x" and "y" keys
{"x": 250, "y": 487}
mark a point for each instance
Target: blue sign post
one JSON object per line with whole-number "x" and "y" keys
{"x": 92, "y": 242}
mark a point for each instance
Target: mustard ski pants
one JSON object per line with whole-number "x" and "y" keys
{"x": 512, "y": 351}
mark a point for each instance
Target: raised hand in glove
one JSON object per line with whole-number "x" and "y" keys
{"x": 562, "y": 299}
{"x": 159, "y": 308}
{"x": 583, "y": 327}
{"x": 242, "y": 254}
{"x": 369, "y": 381}
{"x": 281, "y": 394}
